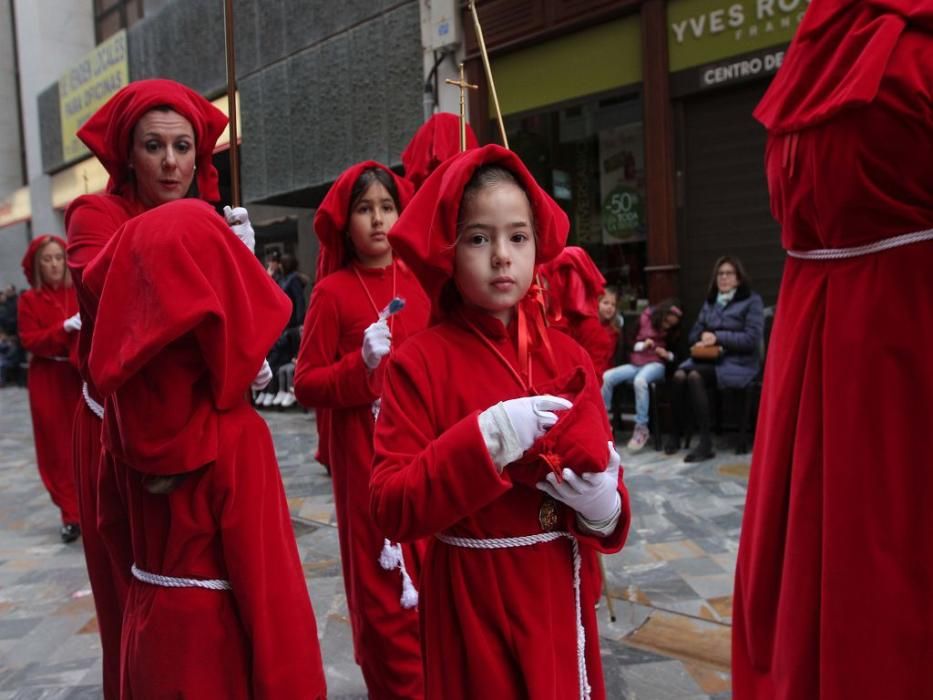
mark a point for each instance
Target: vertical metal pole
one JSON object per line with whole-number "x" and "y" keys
{"x": 229, "y": 45}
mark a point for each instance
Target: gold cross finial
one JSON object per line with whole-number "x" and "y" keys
{"x": 464, "y": 86}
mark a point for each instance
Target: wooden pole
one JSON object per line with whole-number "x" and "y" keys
{"x": 492, "y": 84}
{"x": 602, "y": 569}
{"x": 230, "y": 46}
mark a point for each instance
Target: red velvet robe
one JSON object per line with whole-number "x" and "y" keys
{"x": 597, "y": 338}
{"x": 91, "y": 220}
{"x": 835, "y": 568}
{"x": 330, "y": 374}
{"x": 495, "y": 623}
{"x": 54, "y": 389}
{"x": 186, "y": 315}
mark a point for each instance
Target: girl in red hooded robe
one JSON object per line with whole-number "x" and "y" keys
{"x": 48, "y": 324}
{"x": 470, "y": 450}
{"x": 156, "y": 139}
{"x": 835, "y": 568}
{"x": 340, "y": 368}
{"x": 575, "y": 286}
{"x": 217, "y": 606}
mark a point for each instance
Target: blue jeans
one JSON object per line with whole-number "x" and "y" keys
{"x": 641, "y": 377}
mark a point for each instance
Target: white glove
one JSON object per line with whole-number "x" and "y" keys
{"x": 511, "y": 427}
{"x": 263, "y": 378}
{"x": 72, "y": 323}
{"x": 594, "y": 495}
{"x": 238, "y": 221}
{"x": 377, "y": 340}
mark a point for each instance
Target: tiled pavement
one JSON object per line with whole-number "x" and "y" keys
{"x": 671, "y": 585}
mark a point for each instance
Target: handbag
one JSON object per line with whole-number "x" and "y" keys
{"x": 706, "y": 353}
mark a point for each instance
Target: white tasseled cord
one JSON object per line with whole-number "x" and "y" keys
{"x": 95, "y": 407}
{"x": 392, "y": 557}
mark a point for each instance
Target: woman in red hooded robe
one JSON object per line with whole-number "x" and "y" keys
{"x": 156, "y": 139}
{"x": 340, "y": 368}
{"x": 835, "y": 567}
{"x": 218, "y": 606}
{"x": 468, "y": 439}
{"x": 48, "y": 325}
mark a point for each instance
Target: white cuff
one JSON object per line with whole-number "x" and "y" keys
{"x": 500, "y": 436}
{"x": 606, "y": 527}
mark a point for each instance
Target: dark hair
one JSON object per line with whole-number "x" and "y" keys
{"x": 743, "y": 281}
{"x": 661, "y": 310}
{"x": 289, "y": 263}
{"x": 368, "y": 177}
{"x": 491, "y": 176}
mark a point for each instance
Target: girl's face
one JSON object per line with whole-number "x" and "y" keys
{"x": 162, "y": 157}
{"x": 370, "y": 222}
{"x": 495, "y": 256}
{"x": 726, "y": 278}
{"x": 51, "y": 264}
{"x": 670, "y": 321}
{"x": 607, "y": 306}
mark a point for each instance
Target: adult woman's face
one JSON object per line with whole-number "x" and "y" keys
{"x": 51, "y": 259}
{"x": 162, "y": 157}
{"x": 726, "y": 278}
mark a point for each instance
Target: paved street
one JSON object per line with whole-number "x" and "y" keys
{"x": 672, "y": 584}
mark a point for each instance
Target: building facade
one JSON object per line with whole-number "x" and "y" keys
{"x": 634, "y": 114}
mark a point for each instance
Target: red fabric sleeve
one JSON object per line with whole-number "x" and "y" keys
{"x": 91, "y": 221}
{"x": 423, "y": 483}
{"x": 41, "y": 336}
{"x": 322, "y": 380}
{"x": 264, "y": 570}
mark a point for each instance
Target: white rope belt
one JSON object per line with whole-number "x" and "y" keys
{"x": 173, "y": 582}
{"x": 95, "y": 407}
{"x": 876, "y": 247}
{"x": 57, "y": 358}
{"x": 527, "y": 541}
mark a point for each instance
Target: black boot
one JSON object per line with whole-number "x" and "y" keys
{"x": 671, "y": 444}
{"x": 702, "y": 452}
{"x": 70, "y": 532}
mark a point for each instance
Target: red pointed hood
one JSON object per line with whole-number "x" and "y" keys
{"x": 332, "y": 216}
{"x": 29, "y": 259}
{"x": 437, "y": 140}
{"x": 574, "y": 284}
{"x": 185, "y": 317}
{"x": 837, "y": 59}
{"x": 426, "y": 233}
{"x": 109, "y": 130}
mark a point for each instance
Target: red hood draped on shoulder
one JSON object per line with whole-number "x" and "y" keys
{"x": 186, "y": 315}
{"x": 574, "y": 284}
{"x": 425, "y": 235}
{"x": 332, "y": 217}
{"x": 435, "y": 141}
{"x": 109, "y": 130}
{"x": 851, "y": 43}
{"x": 29, "y": 259}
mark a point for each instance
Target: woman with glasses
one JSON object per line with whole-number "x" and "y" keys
{"x": 724, "y": 349}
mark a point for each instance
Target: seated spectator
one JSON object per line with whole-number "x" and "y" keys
{"x": 650, "y": 355}
{"x": 282, "y": 354}
{"x": 724, "y": 353}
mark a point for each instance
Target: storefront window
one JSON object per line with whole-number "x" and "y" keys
{"x": 590, "y": 157}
